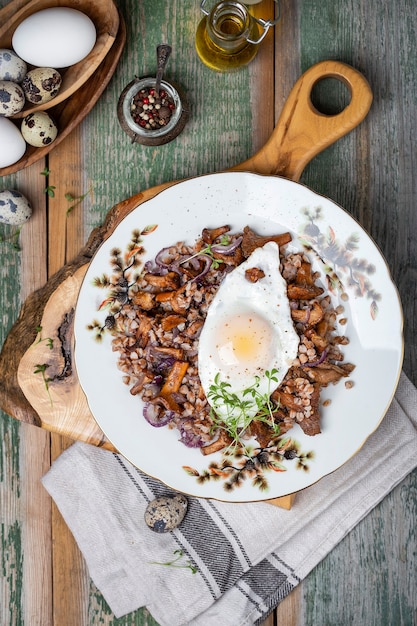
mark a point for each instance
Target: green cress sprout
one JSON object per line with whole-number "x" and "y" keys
{"x": 175, "y": 562}
{"x": 237, "y": 419}
{"x": 76, "y": 200}
{"x": 41, "y": 368}
{"x": 207, "y": 251}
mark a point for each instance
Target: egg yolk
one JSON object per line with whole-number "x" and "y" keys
{"x": 244, "y": 341}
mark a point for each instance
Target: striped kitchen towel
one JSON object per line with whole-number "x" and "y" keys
{"x": 231, "y": 564}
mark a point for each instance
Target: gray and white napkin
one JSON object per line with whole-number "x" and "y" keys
{"x": 246, "y": 557}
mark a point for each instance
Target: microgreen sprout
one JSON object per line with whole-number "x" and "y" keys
{"x": 75, "y": 200}
{"x": 241, "y": 410}
{"x": 48, "y": 340}
{"x": 175, "y": 562}
{"x": 41, "y": 368}
{"x": 207, "y": 251}
{"x": 49, "y": 189}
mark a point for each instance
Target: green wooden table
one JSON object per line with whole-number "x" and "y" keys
{"x": 370, "y": 578}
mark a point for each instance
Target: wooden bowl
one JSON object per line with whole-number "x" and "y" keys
{"x": 104, "y": 15}
{"x": 69, "y": 113}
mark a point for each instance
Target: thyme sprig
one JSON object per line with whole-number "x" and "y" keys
{"x": 175, "y": 562}
{"x": 242, "y": 410}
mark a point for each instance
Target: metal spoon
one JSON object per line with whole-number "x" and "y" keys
{"x": 162, "y": 54}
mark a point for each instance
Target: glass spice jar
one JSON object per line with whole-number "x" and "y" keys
{"x": 227, "y": 37}
{"x": 148, "y": 118}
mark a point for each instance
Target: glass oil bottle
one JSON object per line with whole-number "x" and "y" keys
{"x": 227, "y": 37}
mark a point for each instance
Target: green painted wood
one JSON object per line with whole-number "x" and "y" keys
{"x": 11, "y": 557}
{"x": 371, "y": 577}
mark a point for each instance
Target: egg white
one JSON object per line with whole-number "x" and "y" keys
{"x": 248, "y": 331}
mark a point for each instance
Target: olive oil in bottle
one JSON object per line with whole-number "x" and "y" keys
{"x": 227, "y": 37}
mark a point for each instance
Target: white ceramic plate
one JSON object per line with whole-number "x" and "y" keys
{"x": 374, "y": 327}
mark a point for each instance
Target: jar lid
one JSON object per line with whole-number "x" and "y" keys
{"x": 149, "y": 120}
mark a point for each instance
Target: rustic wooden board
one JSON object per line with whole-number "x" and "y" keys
{"x": 370, "y": 173}
{"x": 68, "y": 113}
{"x": 105, "y": 16}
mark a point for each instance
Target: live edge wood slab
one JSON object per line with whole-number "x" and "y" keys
{"x": 60, "y": 405}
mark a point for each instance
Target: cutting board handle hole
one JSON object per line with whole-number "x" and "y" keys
{"x": 330, "y": 96}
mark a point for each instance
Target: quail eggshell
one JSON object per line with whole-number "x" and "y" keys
{"x": 39, "y": 129}
{"x": 41, "y": 84}
{"x": 55, "y": 37}
{"x": 15, "y": 209}
{"x": 12, "y": 98}
{"x": 12, "y": 67}
{"x": 166, "y": 512}
{"x": 12, "y": 144}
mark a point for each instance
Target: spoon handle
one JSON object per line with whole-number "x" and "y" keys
{"x": 162, "y": 54}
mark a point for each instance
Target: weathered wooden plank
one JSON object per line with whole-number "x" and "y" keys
{"x": 25, "y": 509}
{"x": 371, "y": 576}
{"x": 65, "y": 235}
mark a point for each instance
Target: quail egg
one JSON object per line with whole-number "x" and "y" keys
{"x": 12, "y": 98}
{"x": 166, "y": 512}
{"x": 15, "y": 209}
{"x": 12, "y": 67}
{"x": 39, "y": 129}
{"x": 41, "y": 84}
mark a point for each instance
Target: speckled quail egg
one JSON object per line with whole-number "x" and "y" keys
{"x": 15, "y": 209}
{"x": 39, "y": 129}
{"x": 12, "y": 67}
{"x": 41, "y": 84}
{"x": 12, "y": 98}
{"x": 166, "y": 512}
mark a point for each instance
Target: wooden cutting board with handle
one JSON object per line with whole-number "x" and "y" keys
{"x": 59, "y": 404}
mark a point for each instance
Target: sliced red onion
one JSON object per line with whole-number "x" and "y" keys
{"x": 190, "y": 439}
{"x": 178, "y": 397}
{"x": 157, "y": 413}
{"x": 160, "y": 258}
{"x": 165, "y": 263}
{"x": 207, "y": 265}
{"x": 155, "y": 386}
{"x": 229, "y": 249}
{"x": 193, "y": 260}
{"x": 307, "y": 318}
{"x": 315, "y": 363}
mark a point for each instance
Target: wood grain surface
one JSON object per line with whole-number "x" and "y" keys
{"x": 371, "y": 576}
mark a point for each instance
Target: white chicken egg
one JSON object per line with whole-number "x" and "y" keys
{"x": 12, "y": 144}
{"x": 11, "y": 66}
{"x": 56, "y": 37}
{"x": 248, "y": 331}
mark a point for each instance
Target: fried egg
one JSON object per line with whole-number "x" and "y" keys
{"x": 248, "y": 332}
